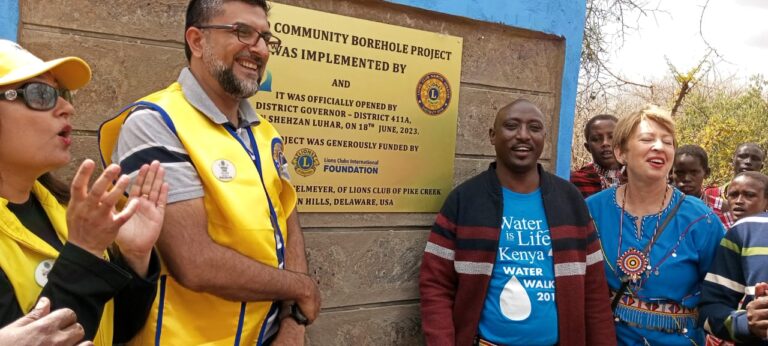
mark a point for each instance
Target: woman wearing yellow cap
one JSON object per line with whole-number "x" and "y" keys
{"x": 57, "y": 249}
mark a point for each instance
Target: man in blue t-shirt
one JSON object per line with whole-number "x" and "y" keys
{"x": 520, "y": 302}
{"x": 513, "y": 257}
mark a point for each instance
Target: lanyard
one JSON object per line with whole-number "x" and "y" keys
{"x": 254, "y": 155}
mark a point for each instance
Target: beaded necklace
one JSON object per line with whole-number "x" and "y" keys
{"x": 635, "y": 262}
{"x": 608, "y": 177}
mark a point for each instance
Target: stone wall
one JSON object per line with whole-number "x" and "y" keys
{"x": 366, "y": 263}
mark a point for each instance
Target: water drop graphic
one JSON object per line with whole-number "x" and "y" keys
{"x": 514, "y": 301}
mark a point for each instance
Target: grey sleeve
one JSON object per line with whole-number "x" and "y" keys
{"x": 145, "y": 137}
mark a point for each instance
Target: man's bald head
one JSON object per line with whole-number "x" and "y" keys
{"x": 518, "y": 135}
{"x": 519, "y": 105}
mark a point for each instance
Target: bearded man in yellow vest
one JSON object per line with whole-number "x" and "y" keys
{"x": 234, "y": 266}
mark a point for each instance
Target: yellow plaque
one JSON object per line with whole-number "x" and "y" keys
{"x": 367, "y": 111}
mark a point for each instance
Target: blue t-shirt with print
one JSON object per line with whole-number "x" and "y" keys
{"x": 520, "y": 307}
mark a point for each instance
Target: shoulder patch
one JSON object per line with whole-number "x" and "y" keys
{"x": 278, "y": 158}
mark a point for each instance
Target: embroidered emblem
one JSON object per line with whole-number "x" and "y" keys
{"x": 632, "y": 263}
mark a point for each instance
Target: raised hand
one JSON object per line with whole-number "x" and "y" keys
{"x": 92, "y": 219}
{"x": 138, "y": 235}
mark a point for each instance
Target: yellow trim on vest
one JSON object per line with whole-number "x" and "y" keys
{"x": 23, "y": 252}
{"x": 238, "y": 218}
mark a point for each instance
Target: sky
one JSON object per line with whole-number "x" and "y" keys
{"x": 737, "y": 29}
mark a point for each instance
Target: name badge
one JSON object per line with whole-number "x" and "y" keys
{"x": 41, "y": 272}
{"x": 224, "y": 170}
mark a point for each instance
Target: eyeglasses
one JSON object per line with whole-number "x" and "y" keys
{"x": 37, "y": 96}
{"x": 247, "y": 34}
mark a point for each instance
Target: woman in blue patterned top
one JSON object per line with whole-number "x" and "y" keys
{"x": 657, "y": 244}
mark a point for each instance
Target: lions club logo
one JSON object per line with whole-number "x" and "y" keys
{"x": 433, "y": 93}
{"x": 305, "y": 162}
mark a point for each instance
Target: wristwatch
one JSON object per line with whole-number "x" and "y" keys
{"x": 298, "y": 316}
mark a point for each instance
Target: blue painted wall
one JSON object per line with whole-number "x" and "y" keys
{"x": 9, "y": 19}
{"x": 564, "y": 18}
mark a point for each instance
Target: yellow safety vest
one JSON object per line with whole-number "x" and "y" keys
{"x": 239, "y": 217}
{"x": 26, "y": 259}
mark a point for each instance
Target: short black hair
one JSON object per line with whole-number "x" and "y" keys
{"x": 695, "y": 151}
{"x": 757, "y": 176}
{"x": 201, "y": 11}
{"x": 594, "y": 119}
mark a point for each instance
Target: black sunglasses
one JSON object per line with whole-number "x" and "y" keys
{"x": 37, "y": 96}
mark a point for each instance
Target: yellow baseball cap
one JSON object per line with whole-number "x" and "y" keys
{"x": 17, "y": 64}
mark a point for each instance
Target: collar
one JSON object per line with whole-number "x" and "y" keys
{"x": 544, "y": 177}
{"x": 197, "y": 97}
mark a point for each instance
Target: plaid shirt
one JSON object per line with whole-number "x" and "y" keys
{"x": 712, "y": 197}
{"x": 592, "y": 179}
